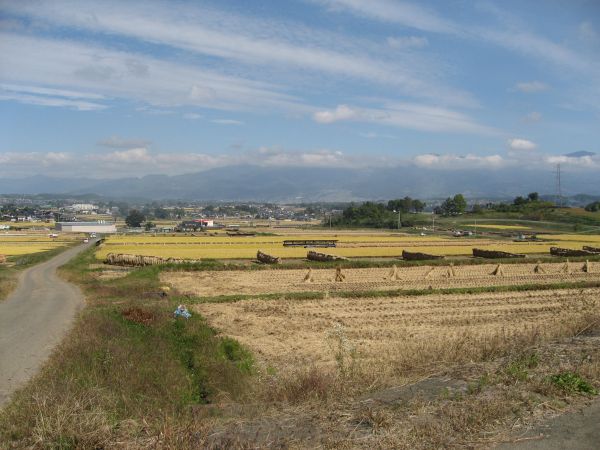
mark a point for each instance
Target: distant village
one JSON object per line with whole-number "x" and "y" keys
{"x": 69, "y": 215}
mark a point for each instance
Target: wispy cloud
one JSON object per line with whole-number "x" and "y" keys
{"x": 531, "y": 86}
{"x": 406, "y": 115}
{"x": 227, "y": 122}
{"x": 404, "y": 13}
{"x": 119, "y": 142}
{"x": 109, "y": 73}
{"x": 407, "y": 42}
{"x": 33, "y": 95}
{"x": 248, "y": 41}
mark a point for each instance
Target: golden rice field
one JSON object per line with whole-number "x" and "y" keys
{"x": 29, "y": 224}
{"x": 349, "y": 245}
{"x": 25, "y": 244}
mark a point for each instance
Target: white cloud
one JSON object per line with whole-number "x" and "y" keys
{"x": 405, "y": 42}
{"x": 531, "y": 86}
{"x": 141, "y": 161}
{"x": 587, "y": 32}
{"x": 406, "y": 115}
{"x": 341, "y": 112}
{"x": 512, "y": 34}
{"x": 119, "y": 142}
{"x": 192, "y": 116}
{"x": 404, "y": 13}
{"x": 521, "y": 145}
{"x": 590, "y": 162}
{"x": 107, "y": 72}
{"x": 435, "y": 161}
{"x": 533, "y": 116}
{"x": 36, "y": 90}
{"x": 227, "y": 122}
{"x": 242, "y": 42}
{"x": 52, "y": 101}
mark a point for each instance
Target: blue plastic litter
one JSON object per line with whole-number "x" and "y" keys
{"x": 182, "y": 311}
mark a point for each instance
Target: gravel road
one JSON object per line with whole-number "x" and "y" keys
{"x": 33, "y": 320}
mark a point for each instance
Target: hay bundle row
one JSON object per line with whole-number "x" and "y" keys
{"x": 323, "y": 257}
{"x": 494, "y": 254}
{"x": 417, "y": 256}
{"x": 566, "y": 252}
{"x": 120, "y": 259}
{"x": 266, "y": 258}
{"x": 592, "y": 249}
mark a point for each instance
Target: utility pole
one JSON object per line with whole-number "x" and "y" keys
{"x": 399, "y": 218}
{"x": 433, "y": 221}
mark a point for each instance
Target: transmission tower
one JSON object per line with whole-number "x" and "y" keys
{"x": 559, "y": 201}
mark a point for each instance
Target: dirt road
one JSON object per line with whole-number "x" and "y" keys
{"x": 573, "y": 431}
{"x": 33, "y": 320}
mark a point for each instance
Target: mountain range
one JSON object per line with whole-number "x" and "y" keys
{"x": 302, "y": 184}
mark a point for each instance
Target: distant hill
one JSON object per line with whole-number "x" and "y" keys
{"x": 301, "y": 184}
{"x": 580, "y": 154}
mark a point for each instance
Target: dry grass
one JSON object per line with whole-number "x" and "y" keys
{"x": 211, "y": 283}
{"x": 402, "y": 334}
{"x": 129, "y": 376}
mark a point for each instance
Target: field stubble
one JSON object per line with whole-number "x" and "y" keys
{"x": 211, "y": 283}
{"x": 385, "y": 339}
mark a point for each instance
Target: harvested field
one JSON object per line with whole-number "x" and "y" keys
{"x": 212, "y": 283}
{"x": 401, "y": 331}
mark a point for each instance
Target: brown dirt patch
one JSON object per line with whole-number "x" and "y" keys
{"x": 139, "y": 315}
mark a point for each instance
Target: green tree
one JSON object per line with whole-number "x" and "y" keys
{"x": 134, "y": 219}
{"x": 520, "y": 201}
{"x": 460, "y": 203}
{"x": 453, "y": 206}
{"x": 533, "y": 197}
{"x": 161, "y": 213}
{"x": 418, "y": 205}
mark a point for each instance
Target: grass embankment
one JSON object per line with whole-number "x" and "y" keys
{"x": 131, "y": 376}
{"x": 126, "y": 371}
{"x": 9, "y": 272}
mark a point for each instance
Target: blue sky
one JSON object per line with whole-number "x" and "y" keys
{"x": 109, "y": 88}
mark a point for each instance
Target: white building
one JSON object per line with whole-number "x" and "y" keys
{"x": 86, "y": 227}
{"x": 84, "y": 207}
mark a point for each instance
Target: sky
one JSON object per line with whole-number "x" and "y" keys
{"x": 111, "y": 89}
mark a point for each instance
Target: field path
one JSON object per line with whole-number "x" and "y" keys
{"x": 572, "y": 431}
{"x": 34, "y": 319}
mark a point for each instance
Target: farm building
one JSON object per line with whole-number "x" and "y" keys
{"x": 86, "y": 227}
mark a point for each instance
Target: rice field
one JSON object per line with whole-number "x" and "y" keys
{"x": 399, "y": 331}
{"x": 215, "y": 283}
{"x": 349, "y": 245}
{"x": 29, "y": 224}
{"x": 12, "y": 244}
